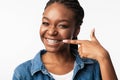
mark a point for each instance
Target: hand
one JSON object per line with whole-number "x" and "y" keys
{"x": 90, "y": 48}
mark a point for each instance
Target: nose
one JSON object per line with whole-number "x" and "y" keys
{"x": 52, "y": 31}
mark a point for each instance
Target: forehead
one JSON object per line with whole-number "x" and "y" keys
{"x": 57, "y": 10}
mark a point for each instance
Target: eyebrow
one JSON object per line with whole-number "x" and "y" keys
{"x": 62, "y": 20}
{"x": 45, "y": 18}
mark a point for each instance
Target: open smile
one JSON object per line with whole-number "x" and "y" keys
{"x": 53, "y": 41}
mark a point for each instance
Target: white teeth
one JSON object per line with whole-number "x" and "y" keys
{"x": 52, "y": 41}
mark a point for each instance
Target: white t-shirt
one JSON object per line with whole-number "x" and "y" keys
{"x": 67, "y": 76}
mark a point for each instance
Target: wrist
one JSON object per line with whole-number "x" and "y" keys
{"x": 104, "y": 57}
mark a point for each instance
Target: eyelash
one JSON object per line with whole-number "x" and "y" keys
{"x": 63, "y": 26}
{"x": 45, "y": 23}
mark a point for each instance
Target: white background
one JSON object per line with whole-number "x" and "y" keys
{"x": 19, "y": 30}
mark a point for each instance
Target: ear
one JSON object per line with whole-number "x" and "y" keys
{"x": 76, "y": 32}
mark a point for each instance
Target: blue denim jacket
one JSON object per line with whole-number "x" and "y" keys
{"x": 84, "y": 69}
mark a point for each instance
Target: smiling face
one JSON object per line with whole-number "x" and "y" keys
{"x": 57, "y": 24}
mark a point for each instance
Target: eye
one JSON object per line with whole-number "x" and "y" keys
{"x": 63, "y": 26}
{"x": 45, "y": 23}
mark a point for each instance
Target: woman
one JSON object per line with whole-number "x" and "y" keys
{"x": 62, "y": 59}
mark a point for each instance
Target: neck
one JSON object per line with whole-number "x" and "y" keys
{"x": 58, "y": 57}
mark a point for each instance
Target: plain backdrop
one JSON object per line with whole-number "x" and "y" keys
{"x": 19, "y": 30}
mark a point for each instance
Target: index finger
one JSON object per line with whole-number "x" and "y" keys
{"x": 72, "y": 41}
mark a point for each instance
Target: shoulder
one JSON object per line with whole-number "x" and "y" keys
{"x": 23, "y": 68}
{"x": 29, "y": 67}
{"x": 24, "y": 65}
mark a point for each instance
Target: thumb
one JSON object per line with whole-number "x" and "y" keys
{"x": 92, "y": 35}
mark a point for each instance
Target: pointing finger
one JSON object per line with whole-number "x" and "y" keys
{"x": 72, "y": 41}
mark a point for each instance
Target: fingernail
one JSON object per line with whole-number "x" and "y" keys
{"x": 65, "y": 40}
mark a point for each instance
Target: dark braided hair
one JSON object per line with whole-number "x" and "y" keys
{"x": 78, "y": 11}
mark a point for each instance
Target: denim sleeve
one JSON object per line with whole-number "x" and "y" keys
{"x": 97, "y": 72}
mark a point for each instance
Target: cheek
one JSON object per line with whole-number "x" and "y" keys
{"x": 42, "y": 31}
{"x": 66, "y": 34}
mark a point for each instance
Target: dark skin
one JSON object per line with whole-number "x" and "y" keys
{"x": 57, "y": 29}
{"x": 57, "y": 26}
{"x": 94, "y": 50}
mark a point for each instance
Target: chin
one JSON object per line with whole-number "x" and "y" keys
{"x": 52, "y": 50}
{"x": 55, "y": 49}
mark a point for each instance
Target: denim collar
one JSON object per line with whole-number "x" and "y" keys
{"x": 37, "y": 64}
